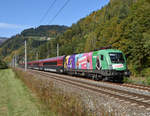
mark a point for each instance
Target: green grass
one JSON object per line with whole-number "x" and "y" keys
{"x": 58, "y": 101}
{"x": 16, "y": 99}
{"x": 138, "y": 80}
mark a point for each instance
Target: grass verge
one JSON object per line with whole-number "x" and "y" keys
{"x": 62, "y": 104}
{"x": 16, "y": 99}
{"x": 138, "y": 80}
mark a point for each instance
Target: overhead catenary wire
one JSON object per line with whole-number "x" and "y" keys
{"x": 48, "y": 10}
{"x": 58, "y": 12}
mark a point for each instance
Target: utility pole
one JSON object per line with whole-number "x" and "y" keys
{"x": 48, "y": 49}
{"x": 37, "y": 55}
{"x": 57, "y": 49}
{"x": 13, "y": 62}
{"x": 25, "y": 55}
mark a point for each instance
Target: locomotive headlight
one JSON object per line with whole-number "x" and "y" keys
{"x": 110, "y": 66}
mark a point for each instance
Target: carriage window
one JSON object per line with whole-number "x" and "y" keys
{"x": 50, "y": 63}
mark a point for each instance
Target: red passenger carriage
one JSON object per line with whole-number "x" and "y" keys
{"x": 54, "y": 64}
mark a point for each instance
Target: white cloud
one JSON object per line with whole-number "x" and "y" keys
{"x": 12, "y": 26}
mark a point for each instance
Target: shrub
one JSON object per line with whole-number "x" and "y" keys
{"x": 148, "y": 80}
{"x": 127, "y": 80}
{"x": 3, "y": 65}
{"x": 145, "y": 72}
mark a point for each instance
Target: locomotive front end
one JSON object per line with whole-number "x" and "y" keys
{"x": 117, "y": 63}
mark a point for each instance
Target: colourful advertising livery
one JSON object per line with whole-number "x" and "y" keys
{"x": 105, "y": 64}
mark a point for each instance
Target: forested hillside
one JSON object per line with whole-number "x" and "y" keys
{"x": 44, "y": 31}
{"x": 123, "y": 24}
{"x": 36, "y": 39}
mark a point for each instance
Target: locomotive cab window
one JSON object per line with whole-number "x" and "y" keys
{"x": 116, "y": 57}
{"x": 102, "y": 57}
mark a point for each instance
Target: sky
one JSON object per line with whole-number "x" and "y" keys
{"x": 17, "y": 15}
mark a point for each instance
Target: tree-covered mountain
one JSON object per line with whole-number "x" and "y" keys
{"x": 44, "y": 31}
{"x": 2, "y": 40}
{"x": 35, "y": 37}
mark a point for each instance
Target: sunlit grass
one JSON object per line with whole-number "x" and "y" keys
{"x": 16, "y": 99}
{"x": 61, "y": 103}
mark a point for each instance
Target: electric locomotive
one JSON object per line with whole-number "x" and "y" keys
{"x": 106, "y": 64}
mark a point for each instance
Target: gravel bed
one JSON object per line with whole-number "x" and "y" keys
{"x": 97, "y": 102}
{"x": 98, "y": 84}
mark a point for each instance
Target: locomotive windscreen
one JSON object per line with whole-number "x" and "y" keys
{"x": 116, "y": 57}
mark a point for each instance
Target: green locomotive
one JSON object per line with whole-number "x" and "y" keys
{"x": 106, "y": 64}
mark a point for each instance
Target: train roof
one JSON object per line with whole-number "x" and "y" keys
{"x": 109, "y": 50}
{"x": 48, "y": 59}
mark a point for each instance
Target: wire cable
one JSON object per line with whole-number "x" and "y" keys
{"x": 48, "y": 10}
{"x": 59, "y": 11}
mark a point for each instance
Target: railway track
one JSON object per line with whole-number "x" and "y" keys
{"x": 134, "y": 94}
{"x": 141, "y": 87}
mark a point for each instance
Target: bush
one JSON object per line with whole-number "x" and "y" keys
{"x": 148, "y": 80}
{"x": 145, "y": 72}
{"x": 127, "y": 80}
{"x": 3, "y": 65}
